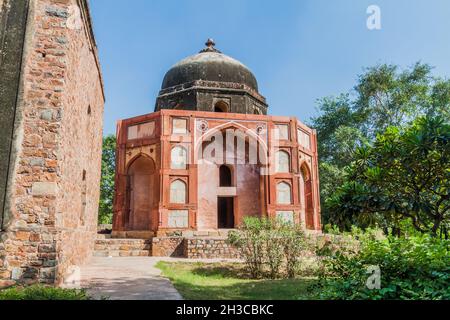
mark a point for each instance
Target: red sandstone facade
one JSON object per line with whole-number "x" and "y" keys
{"x": 159, "y": 194}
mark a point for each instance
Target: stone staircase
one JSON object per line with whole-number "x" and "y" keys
{"x": 107, "y": 247}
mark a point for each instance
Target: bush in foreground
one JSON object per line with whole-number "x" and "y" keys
{"x": 416, "y": 267}
{"x": 270, "y": 247}
{"x": 38, "y": 292}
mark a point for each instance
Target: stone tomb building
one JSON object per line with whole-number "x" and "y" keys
{"x": 51, "y": 115}
{"x": 210, "y": 155}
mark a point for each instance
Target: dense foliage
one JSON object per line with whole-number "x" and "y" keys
{"x": 414, "y": 267}
{"x": 105, "y": 213}
{"x": 385, "y": 136}
{"x": 38, "y": 292}
{"x": 404, "y": 174}
{"x": 270, "y": 247}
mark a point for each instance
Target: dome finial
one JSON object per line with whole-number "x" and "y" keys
{"x": 210, "y": 46}
{"x": 210, "y": 43}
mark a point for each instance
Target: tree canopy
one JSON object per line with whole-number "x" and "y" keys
{"x": 378, "y": 142}
{"x": 105, "y": 213}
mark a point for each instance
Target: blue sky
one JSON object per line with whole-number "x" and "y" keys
{"x": 299, "y": 50}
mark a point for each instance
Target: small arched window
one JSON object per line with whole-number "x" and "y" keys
{"x": 221, "y": 106}
{"x": 283, "y": 162}
{"x": 178, "y": 158}
{"x": 225, "y": 176}
{"x": 284, "y": 193}
{"x": 178, "y": 192}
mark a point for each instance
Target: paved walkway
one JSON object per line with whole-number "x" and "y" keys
{"x": 134, "y": 278}
{"x": 131, "y": 278}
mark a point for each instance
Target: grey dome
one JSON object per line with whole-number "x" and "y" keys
{"x": 209, "y": 65}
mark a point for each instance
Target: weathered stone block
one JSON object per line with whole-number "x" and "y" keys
{"x": 6, "y": 283}
{"x": 16, "y": 273}
{"x": 47, "y": 248}
{"x": 56, "y": 12}
{"x": 23, "y": 235}
{"x": 44, "y": 189}
{"x": 47, "y": 273}
{"x": 37, "y": 162}
{"x": 178, "y": 219}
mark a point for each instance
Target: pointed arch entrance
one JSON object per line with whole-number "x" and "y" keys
{"x": 307, "y": 196}
{"x": 140, "y": 199}
{"x": 233, "y": 158}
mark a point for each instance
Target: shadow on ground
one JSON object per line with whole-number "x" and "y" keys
{"x": 125, "y": 288}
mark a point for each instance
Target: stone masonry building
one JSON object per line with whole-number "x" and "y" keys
{"x": 210, "y": 155}
{"x": 51, "y": 111}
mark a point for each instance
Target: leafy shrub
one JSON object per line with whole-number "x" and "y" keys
{"x": 250, "y": 240}
{"x": 274, "y": 247}
{"x": 415, "y": 267}
{"x": 270, "y": 246}
{"x": 38, "y": 292}
{"x": 294, "y": 243}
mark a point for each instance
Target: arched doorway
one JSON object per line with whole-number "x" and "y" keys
{"x": 226, "y": 179}
{"x": 140, "y": 194}
{"x": 237, "y": 165}
{"x": 221, "y": 106}
{"x": 225, "y": 205}
{"x": 307, "y": 197}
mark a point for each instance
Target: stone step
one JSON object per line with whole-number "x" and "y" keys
{"x": 122, "y": 248}
{"x": 103, "y": 236}
{"x": 133, "y": 242}
{"x": 122, "y": 253}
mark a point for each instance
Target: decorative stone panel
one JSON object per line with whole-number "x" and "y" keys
{"x": 178, "y": 219}
{"x": 178, "y": 158}
{"x": 284, "y": 193}
{"x": 304, "y": 139}
{"x": 283, "y": 131}
{"x": 286, "y": 216}
{"x": 179, "y": 126}
{"x": 178, "y": 192}
{"x": 142, "y": 130}
{"x": 283, "y": 163}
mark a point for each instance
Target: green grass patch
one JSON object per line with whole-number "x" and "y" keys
{"x": 227, "y": 281}
{"x": 39, "y": 292}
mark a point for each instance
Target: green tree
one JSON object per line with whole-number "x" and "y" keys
{"x": 384, "y": 96}
{"x": 342, "y": 143}
{"x": 387, "y": 97}
{"x": 338, "y": 135}
{"x": 107, "y": 180}
{"x": 405, "y": 174}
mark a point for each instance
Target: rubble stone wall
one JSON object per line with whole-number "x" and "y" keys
{"x": 54, "y": 185}
{"x": 218, "y": 248}
{"x": 168, "y": 247}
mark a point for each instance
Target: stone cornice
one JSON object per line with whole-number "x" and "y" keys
{"x": 212, "y": 85}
